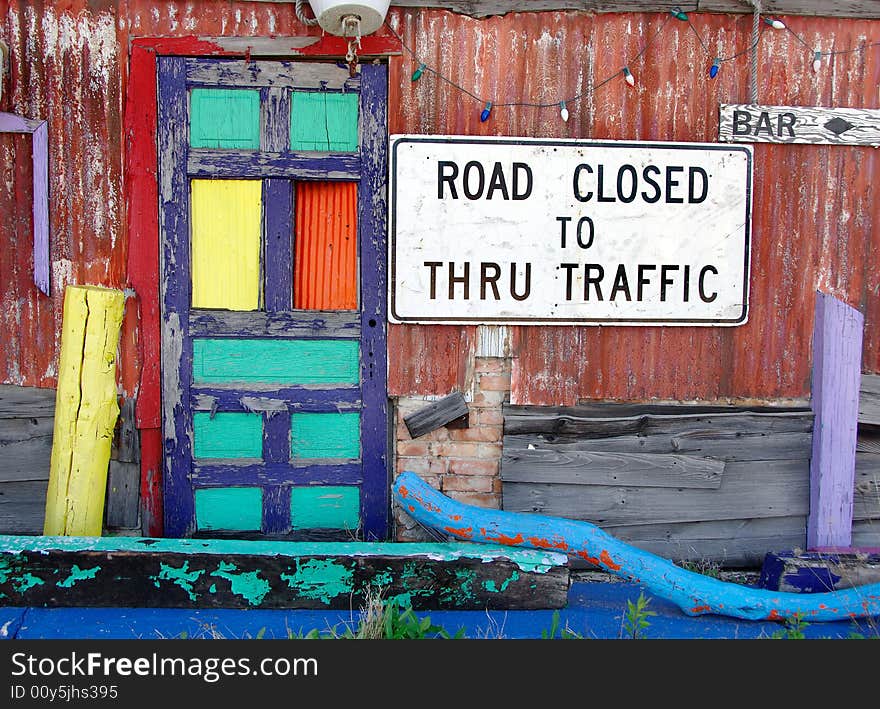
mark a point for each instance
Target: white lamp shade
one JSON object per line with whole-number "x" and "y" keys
{"x": 329, "y": 14}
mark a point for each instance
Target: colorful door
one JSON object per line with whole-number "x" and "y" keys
{"x": 272, "y": 210}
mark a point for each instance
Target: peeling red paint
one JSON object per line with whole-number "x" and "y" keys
{"x": 508, "y": 541}
{"x": 587, "y": 557}
{"x": 696, "y": 610}
{"x": 463, "y": 532}
{"x": 403, "y": 491}
{"x": 543, "y": 543}
{"x": 607, "y": 561}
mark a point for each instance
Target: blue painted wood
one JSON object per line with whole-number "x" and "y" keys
{"x": 205, "y": 162}
{"x": 694, "y": 593}
{"x": 304, "y": 323}
{"x": 277, "y": 204}
{"x": 179, "y": 506}
{"x": 267, "y": 474}
{"x": 278, "y": 261}
{"x": 299, "y": 398}
{"x": 372, "y": 214}
{"x": 276, "y": 437}
{"x": 276, "y": 509}
{"x": 837, "y": 368}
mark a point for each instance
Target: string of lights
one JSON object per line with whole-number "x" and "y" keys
{"x": 625, "y": 71}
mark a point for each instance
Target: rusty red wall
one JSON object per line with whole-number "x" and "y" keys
{"x": 815, "y": 207}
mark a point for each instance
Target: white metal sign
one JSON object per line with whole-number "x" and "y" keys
{"x": 530, "y": 231}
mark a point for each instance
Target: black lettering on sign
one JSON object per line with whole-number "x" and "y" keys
{"x": 447, "y": 171}
{"x": 473, "y": 180}
{"x": 464, "y": 279}
{"x": 528, "y": 285}
{"x": 486, "y": 279}
{"x": 433, "y": 265}
{"x": 742, "y": 123}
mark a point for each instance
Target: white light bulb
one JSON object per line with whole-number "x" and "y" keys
{"x": 563, "y": 111}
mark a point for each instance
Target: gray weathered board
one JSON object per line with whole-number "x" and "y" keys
{"x": 866, "y": 494}
{"x": 798, "y": 124}
{"x": 717, "y": 483}
{"x": 436, "y": 414}
{"x": 869, "y": 400}
{"x": 27, "y": 417}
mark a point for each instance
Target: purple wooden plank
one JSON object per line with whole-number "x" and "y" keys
{"x": 372, "y": 209}
{"x": 206, "y": 162}
{"x": 268, "y": 474}
{"x": 300, "y": 398}
{"x": 175, "y": 288}
{"x": 40, "y": 158}
{"x": 276, "y": 437}
{"x": 278, "y": 260}
{"x": 11, "y": 123}
{"x": 837, "y": 357}
{"x": 276, "y": 509}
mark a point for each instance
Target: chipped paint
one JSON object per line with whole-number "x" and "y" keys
{"x": 180, "y": 577}
{"x": 246, "y": 584}
{"x": 77, "y": 574}
{"x": 322, "y": 579}
{"x": 26, "y": 581}
{"x": 490, "y": 586}
{"x": 529, "y": 560}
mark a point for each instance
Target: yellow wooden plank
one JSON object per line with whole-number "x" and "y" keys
{"x": 226, "y": 219}
{"x": 86, "y": 411}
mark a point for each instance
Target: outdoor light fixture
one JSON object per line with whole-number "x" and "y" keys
{"x": 350, "y": 19}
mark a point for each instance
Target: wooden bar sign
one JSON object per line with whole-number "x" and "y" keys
{"x": 798, "y": 124}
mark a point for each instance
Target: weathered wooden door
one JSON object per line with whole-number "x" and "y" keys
{"x": 272, "y": 211}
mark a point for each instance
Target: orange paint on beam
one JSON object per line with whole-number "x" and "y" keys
{"x": 700, "y": 609}
{"x": 607, "y": 561}
{"x": 547, "y": 544}
{"x": 587, "y": 557}
{"x": 465, "y": 532}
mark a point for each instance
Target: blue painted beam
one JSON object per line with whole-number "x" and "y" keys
{"x": 694, "y": 593}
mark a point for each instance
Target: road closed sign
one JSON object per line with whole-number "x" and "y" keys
{"x": 531, "y": 231}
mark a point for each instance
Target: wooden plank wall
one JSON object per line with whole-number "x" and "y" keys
{"x": 27, "y": 418}
{"x": 716, "y": 484}
{"x": 866, "y": 495}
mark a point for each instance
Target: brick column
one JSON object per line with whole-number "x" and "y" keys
{"x": 463, "y": 463}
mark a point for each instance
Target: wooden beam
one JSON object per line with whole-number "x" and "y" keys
{"x": 188, "y": 573}
{"x": 837, "y": 356}
{"x": 437, "y": 414}
{"x": 86, "y": 411}
{"x": 869, "y": 400}
{"x": 864, "y": 9}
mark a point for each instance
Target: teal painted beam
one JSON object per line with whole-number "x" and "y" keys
{"x": 323, "y": 120}
{"x": 225, "y": 118}
{"x": 325, "y": 507}
{"x": 275, "y": 361}
{"x": 227, "y": 435}
{"x": 196, "y": 573}
{"x": 229, "y": 509}
{"x": 325, "y": 435}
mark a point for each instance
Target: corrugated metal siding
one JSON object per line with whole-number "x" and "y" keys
{"x": 68, "y": 66}
{"x": 325, "y": 252}
{"x": 815, "y": 207}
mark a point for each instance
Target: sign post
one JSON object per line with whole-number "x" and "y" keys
{"x": 530, "y": 232}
